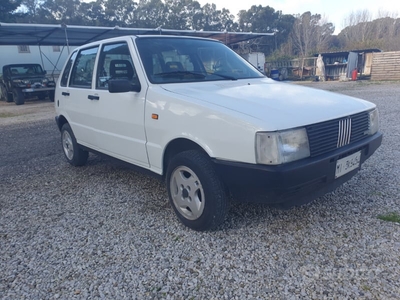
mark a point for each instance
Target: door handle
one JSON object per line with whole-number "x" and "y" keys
{"x": 91, "y": 97}
{"x": 65, "y": 94}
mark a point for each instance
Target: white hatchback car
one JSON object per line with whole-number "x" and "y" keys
{"x": 194, "y": 112}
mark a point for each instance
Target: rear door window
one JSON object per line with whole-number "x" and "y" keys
{"x": 82, "y": 72}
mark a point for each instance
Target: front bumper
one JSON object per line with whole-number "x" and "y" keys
{"x": 37, "y": 90}
{"x": 294, "y": 183}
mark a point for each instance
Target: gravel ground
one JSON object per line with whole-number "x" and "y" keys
{"x": 103, "y": 231}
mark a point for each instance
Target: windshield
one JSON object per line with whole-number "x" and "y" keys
{"x": 171, "y": 60}
{"x": 27, "y": 69}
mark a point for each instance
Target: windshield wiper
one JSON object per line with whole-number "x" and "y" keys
{"x": 180, "y": 74}
{"x": 223, "y": 76}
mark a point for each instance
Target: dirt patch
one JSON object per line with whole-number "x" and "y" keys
{"x": 31, "y": 111}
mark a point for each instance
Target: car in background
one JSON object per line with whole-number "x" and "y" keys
{"x": 21, "y": 81}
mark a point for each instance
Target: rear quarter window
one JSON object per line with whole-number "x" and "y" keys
{"x": 65, "y": 74}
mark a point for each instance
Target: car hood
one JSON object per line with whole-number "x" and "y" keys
{"x": 279, "y": 105}
{"x": 30, "y": 77}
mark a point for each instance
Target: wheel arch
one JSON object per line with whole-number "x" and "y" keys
{"x": 61, "y": 121}
{"x": 176, "y": 146}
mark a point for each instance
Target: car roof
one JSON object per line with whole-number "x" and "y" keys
{"x": 22, "y": 65}
{"x": 147, "y": 36}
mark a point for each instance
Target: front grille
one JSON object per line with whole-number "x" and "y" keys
{"x": 35, "y": 80}
{"x": 330, "y": 135}
{"x": 344, "y": 132}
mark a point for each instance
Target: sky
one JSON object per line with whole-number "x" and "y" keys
{"x": 334, "y": 10}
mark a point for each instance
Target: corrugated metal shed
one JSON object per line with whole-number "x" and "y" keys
{"x": 342, "y": 63}
{"x": 386, "y": 66}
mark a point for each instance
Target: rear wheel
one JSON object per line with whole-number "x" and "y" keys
{"x": 3, "y": 93}
{"x": 75, "y": 155}
{"x": 9, "y": 98}
{"x": 42, "y": 96}
{"x": 195, "y": 191}
{"x": 18, "y": 97}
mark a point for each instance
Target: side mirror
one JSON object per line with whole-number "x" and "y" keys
{"x": 122, "y": 86}
{"x": 44, "y": 72}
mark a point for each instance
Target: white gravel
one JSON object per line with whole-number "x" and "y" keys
{"x": 103, "y": 231}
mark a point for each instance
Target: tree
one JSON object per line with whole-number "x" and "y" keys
{"x": 93, "y": 14}
{"x": 120, "y": 12}
{"x": 32, "y": 9}
{"x": 323, "y": 35}
{"x": 150, "y": 14}
{"x": 387, "y": 33}
{"x": 179, "y": 12}
{"x": 59, "y": 11}
{"x": 209, "y": 18}
{"x": 34, "y": 12}
{"x": 266, "y": 20}
{"x": 382, "y": 33}
{"x": 258, "y": 19}
{"x": 8, "y": 10}
{"x": 358, "y": 27}
{"x": 310, "y": 34}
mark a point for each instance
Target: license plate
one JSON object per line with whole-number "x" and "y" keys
{"x": 347, "y": 164}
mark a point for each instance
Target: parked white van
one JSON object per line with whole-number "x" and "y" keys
{"x": 202, "y": 118}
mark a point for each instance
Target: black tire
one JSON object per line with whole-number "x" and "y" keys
{"x": 74, "y": 154}
{"x": 9, "y": 98}
{"x": 200, "y": 201}
{"x": 18, "y": 97}
{"x": 51, "y": 96}
{"x": 3, "y": 93}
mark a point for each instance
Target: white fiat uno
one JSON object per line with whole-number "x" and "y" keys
{"x": 208, "y": 123}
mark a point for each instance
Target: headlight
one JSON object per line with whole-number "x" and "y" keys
{"x": 274, "y": 148}
{"x": 373, "y": 122}
{"x": 21, "y": 82}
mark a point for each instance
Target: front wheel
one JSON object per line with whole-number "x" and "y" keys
{"x": 73, "y": 153}
{"x": 195, "y": 191}
{"x": 18, "y": 97}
